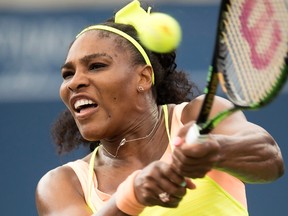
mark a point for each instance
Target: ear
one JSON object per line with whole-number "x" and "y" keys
{"x": 145, "y": 77}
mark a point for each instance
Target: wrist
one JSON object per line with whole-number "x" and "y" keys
{"x": 125, "y": 197}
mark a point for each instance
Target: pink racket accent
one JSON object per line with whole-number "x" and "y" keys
{"x": 260, "y": 60}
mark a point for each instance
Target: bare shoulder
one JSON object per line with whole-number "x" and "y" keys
{"x": 218, "y": 102}
{"x": 228, "y": 126}
{"x": 52, "y": 184}
{"x": 56, "y": 179}
{"x": 192, "y": 109}
{"x": 57, "y": 191}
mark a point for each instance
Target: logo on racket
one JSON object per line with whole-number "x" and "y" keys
{"x": 253, "y": 26}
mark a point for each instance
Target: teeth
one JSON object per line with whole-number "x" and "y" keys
{"x": 82, "y": 102}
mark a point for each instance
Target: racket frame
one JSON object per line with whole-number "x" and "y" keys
{"x": 206, "y": 125}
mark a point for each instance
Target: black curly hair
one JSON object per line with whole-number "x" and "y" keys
{"x": 171, "y": 86}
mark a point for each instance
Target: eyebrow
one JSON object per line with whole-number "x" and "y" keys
{"x": 86, "y": 59}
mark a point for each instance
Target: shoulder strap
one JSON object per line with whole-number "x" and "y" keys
{"x": 90, "y": 179}
{"x": 166, "y": 119}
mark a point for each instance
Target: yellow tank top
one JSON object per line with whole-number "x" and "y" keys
{"x": 206, "y": 200}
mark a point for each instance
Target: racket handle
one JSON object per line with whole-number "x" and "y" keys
{"x": 193, "y": 135}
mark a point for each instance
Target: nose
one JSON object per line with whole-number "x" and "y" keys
{"x": 78, "y": 81}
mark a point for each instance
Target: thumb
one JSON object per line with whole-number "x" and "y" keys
{"x": 177, "y": 141}
{"x": 189, "y": 184}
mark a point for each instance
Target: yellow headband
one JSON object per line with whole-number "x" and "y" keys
{"x": 126, "y": 36}
{"x": 149, "y": 28}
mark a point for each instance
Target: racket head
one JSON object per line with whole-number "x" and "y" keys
{"x": 253, "y": 51}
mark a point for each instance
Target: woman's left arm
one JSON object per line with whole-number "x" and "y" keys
{"x": 251, "y": 154}
{"x": 235, "y": 146}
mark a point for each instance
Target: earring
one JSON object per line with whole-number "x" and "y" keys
{"x": 140, "y": 89}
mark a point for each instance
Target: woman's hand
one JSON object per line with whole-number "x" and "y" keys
{"x": 194, "y": 160}
{"x": 247, "y": 152}
{"x": 159, "y": 184}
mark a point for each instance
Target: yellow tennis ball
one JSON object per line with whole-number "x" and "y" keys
{"x": 160, "y": 33}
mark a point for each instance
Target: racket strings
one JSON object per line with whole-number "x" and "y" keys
{"x": 253, "y": 44}
{"x": 238, "y": 60}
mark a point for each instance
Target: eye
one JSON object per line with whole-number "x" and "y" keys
{"x": 96, "y": 66}
{"x": 67, "y": 74}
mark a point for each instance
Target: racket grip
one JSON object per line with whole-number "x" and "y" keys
{"x": 193, "y": 135}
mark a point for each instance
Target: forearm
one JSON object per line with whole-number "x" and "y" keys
{"x": 253, "y": 156}
{"x": 246, "y": 150}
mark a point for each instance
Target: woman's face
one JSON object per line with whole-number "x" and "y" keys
{"x": 99, "y": 85}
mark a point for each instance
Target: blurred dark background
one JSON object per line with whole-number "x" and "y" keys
{"x": 34, "y": 38}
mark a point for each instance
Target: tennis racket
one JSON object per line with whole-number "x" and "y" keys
{"x": 249, "y": 61}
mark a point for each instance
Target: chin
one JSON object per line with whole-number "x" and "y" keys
{"x": 89, "y": 135}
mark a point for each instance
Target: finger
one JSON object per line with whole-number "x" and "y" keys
{"x": 191, "y": 167}
{"x": 170, "y": 181}
{"x": 155, "y": 180}
{"x": 173, "y": 175}
{"x": 180, "y": 160}
{"x": 147, "y": 191}
{"x": 158, "y": 196}
{"x": 183, "y": 131}
{"x": 189, "y": 184}
{"x": 168, "y": 201}
{"x": 209, "y": 151}
{"x": 171, "y": 188}
{"x": 200, "y": 150}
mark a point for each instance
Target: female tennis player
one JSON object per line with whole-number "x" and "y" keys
{"x": 133, "y": 107}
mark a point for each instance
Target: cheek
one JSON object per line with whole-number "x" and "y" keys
{"x": 63, "y": 92}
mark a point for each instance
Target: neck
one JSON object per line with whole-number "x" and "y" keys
{"x": 138, "y": 141}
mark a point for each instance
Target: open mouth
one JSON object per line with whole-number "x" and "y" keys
{"x": 84, "y": 104}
